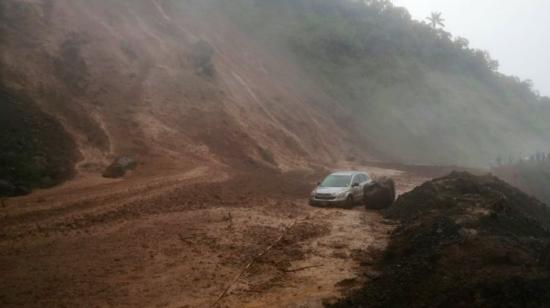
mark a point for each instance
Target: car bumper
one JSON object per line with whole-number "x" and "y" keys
{"x": 327, "y": 203}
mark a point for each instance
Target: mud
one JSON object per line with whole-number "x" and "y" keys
{"x": 181, "y": 239}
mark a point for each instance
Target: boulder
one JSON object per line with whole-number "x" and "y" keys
{"x": 7, "y": 189}
{"x": 22, "y": 190}
{"x": 119, "y": 167}
{"x": 380, "y": 195}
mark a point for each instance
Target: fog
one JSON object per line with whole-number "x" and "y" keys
{"x": 515, "y": 32}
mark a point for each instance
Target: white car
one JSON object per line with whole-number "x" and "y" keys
{"x": 344, "y": 188}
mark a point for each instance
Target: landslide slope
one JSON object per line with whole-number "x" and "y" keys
{"x": 170, "y": 85}
{"x": 417, "y": 93}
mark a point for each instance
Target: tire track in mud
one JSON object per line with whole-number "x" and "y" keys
{"x": 119, "y": 200}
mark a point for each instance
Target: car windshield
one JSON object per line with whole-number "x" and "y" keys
{"x": 336, "y": 181}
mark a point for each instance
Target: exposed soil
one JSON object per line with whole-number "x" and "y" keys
{"x": 167, "y": 84}
{"x": 182, "y": 239}
{"x": 465, "y": 241}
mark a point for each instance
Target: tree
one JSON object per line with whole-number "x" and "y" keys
{"x": 545, "y": 100}
{"x": 462, "y": 43}
{"x": 436, "y": 20}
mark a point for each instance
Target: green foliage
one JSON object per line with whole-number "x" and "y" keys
{"x": 35, "y": 151}
{"x": 436, "y": 20}
{"x": 201, "y": 57}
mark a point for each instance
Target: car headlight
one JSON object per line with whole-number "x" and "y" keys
{"x": 342, "y": 194}
{"x": 312, "y": 194}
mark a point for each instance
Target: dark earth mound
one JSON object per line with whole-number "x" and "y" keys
{"x": 35, "y": 150}
{"x": 464, "y": 241}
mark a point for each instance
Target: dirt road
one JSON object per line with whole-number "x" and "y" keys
{"x": 198, "y": 238}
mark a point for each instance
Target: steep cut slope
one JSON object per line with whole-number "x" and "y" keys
{"x": 418, "y": 94}
{"x": 170, "y": 86}
{"x": 276, "y": 84}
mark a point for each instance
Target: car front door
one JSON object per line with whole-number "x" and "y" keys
{"x": 357, "y": 188}
{"x": 364, "y": 183}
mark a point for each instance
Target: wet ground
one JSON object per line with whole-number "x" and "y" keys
{"x": 198, "y": 238}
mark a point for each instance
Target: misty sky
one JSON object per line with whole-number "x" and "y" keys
{"x": 515, "y": 32}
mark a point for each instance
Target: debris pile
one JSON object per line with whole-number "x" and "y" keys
{"x": 464, "y": 241}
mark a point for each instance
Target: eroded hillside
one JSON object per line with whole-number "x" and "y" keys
{"x": 418, "y": 93}
{"x": 275, "y": 84}
{"x": 168, "y": 85}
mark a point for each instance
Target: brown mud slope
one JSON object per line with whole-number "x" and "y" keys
{"x": 466, "y": 241}
{"x": 168, "y": 84}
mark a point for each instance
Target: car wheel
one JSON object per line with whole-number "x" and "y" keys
{"x": 349, "y": 202}
{"x": 366, "y": 193}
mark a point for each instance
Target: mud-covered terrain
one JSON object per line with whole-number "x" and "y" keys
{"x": 193, "y": 238}
{"x": 464, "y": 241}
{"x": 192, "y": 146}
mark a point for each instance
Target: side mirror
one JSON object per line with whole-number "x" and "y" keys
{"x": 355, "y": 185}
{"x": 318, "y": 183}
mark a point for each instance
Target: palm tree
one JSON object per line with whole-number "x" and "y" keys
{"x": 436, "y": 20}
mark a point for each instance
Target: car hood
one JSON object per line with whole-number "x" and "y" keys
{"x": 331, "y": 190}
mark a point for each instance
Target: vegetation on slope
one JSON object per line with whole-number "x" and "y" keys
{"x": 420, "y": 94}
{"x": 35, "y": 150}
{"x": 531, "y": 177}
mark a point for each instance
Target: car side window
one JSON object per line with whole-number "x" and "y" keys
{"x": 367, "y": 178}
{"x": 357, "y": 179}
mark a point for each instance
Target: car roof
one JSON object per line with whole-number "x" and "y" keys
{"x": 347, "y": 172}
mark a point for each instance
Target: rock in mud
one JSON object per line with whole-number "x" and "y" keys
{"x": 381, "y": 195}
{"x": 7, "y": 189}
{"x": 119, "y": 167}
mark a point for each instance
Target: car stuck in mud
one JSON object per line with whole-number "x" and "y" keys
{"x": 350, "y": 188}
{"x": 341, "y": 189}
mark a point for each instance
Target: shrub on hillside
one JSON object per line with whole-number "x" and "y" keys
{"x": 201, "y": 57}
